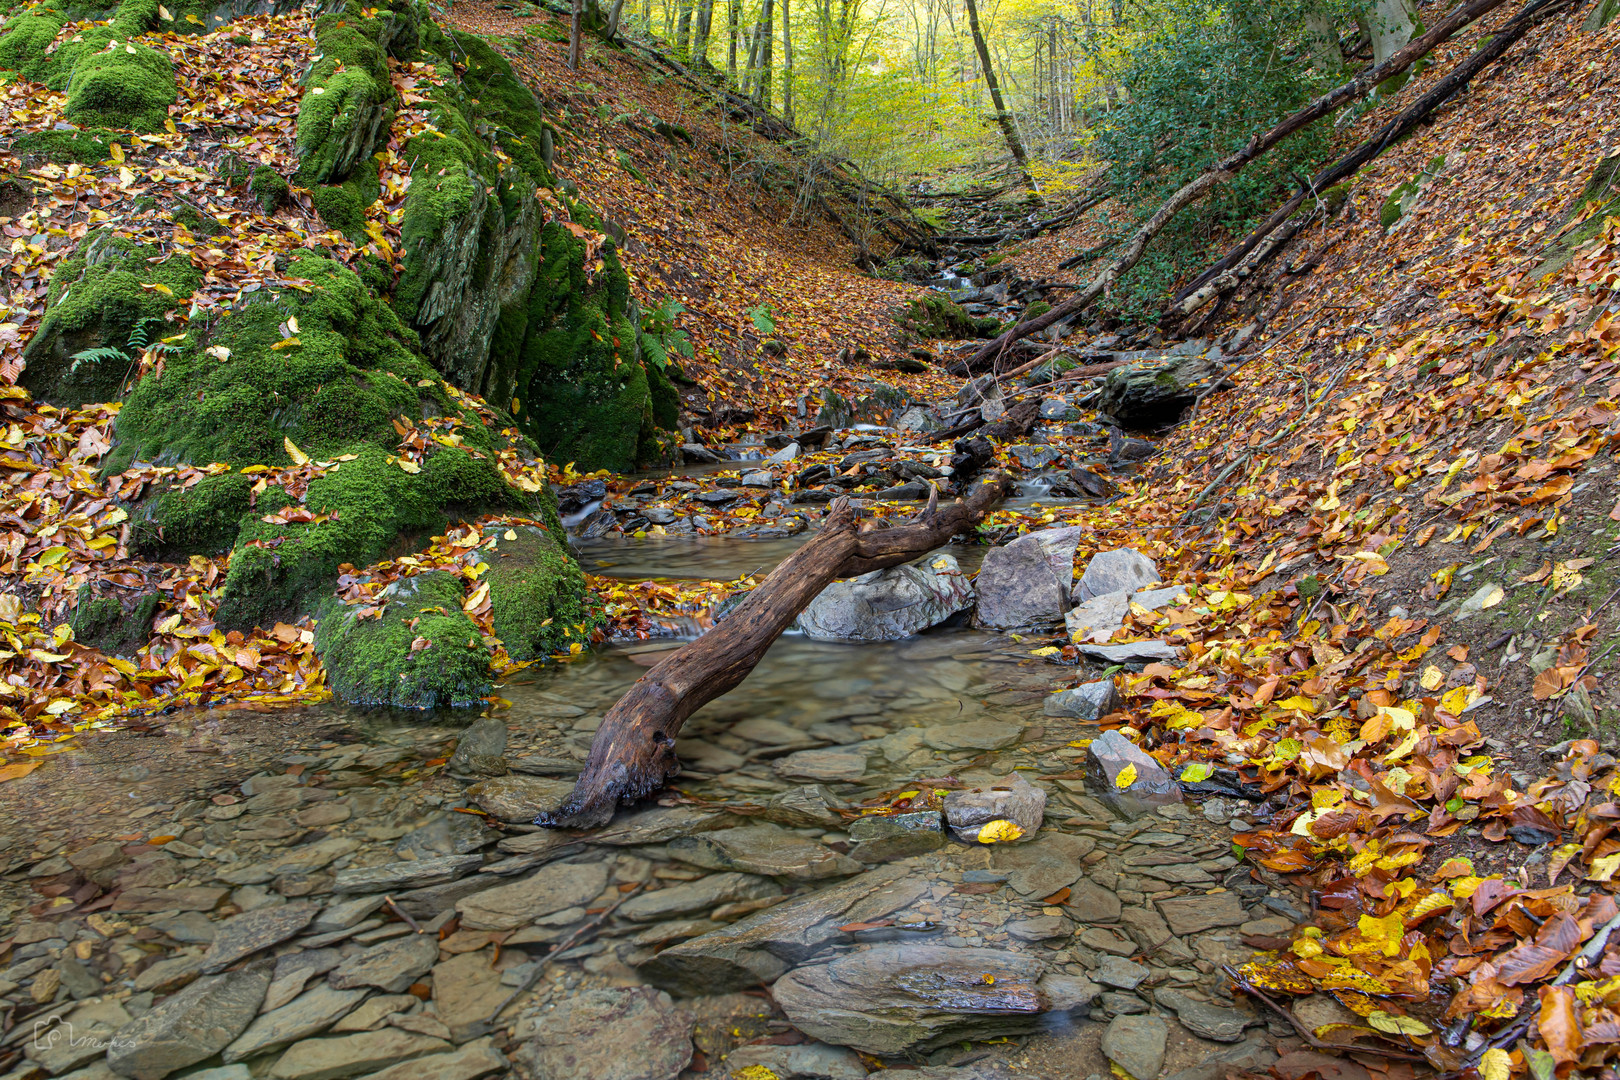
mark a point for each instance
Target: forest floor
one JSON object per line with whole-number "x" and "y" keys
{"x": 1396, "y": 532}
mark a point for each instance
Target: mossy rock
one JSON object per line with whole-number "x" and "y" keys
{"x": 89, "y": 146}
{"x": 269, "y": 189}
{"x": 202, "y": 519}
{"x": 116, "y": 627}
{"x": 935, "y": 316}
{"x": 377, "y": 661}
{"x": 536, "y": 594}
{"x": 125, "y": 86}
{"x": 583, "y": 390}
{"x": 1602, "y": 187}
{"x": 1601, "y": 15}
{"x": 97, "y": 301}
{"x": 368, "y": 508}
{"x": 343, "y": 206}
{"x": 348, "y": 103}
{"x": 353, "y": 368}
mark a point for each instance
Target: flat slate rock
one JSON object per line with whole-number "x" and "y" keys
{"x": 1195, "y": 914}
{"x": 409, "y": 874}
{"x": 518, "y": 798}
{"x": 308, "y": 1014}
{"x": 550, "y": 889}
{"x": 1136, "y": 1044}
{"x": 973, "y": 735}
{"x": 704, "y": 894}
{"x": 763, "y": 946}
{"x": 294, "y": 970}
{"x": 657, "y": 824}
{"x": 1089, "y": 902}
{"x": 831, "y": 765}
{"x": 898, "y": 998}
{"x": 1045, "y": 864}
{"x": 763, "y": 849}
{"x": 620, "y": 1034}
{"x": 189, "y": 1027}
{"x": 194, "y": 898}
{"x": 467, "y": 991}
{"x": 245, "y": 934}
{"x": 801, "y": 1062}
{"x": 476, "y": 1059}
{"x": 351, "y": 1055}
{"x": 390, "y": 967}
{"x": 1205, "y": 1019}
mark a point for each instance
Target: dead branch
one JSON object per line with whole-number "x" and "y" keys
{"x": 1224, "y": 170}
{"x": 633, "y": 754}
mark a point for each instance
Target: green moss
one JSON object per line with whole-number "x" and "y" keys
{"x": 104, "y": 622}
{"x": 126, "y": 86}
{"x": 269, "y": 188}
{"x": 586, "y": 396}
{"x": 87, "y": 147}
{"x": 369, "y": 506}
{"x": 666, "y": 401}
{"x": 28, "y": 36}
{"x": 1035, "y": 310}
{"x": 1336, "y": 196}
{"x": 537, "y": 595}
{"x": 935, "y": 316}
{"x": 1392, "y": 210}
{"x": 341, "y": 209}
{"x": 376, "y": 661}
{"x": 203, "y": 518}
{"x": 353, "y": 369}
{"x": 96, "y": 302}
{"x": 195, "y": 220}
{"x": 501, "y": 98}
{"x": 348, "y": 103}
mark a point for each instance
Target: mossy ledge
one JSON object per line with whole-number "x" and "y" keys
{"x": 536, "y": 594}
{"x": 422, "y": 652}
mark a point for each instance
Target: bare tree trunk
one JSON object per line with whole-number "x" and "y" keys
{"x": 733, "y": 28}
{"x": 1223, "y": 171}
{"x": 767, "y": 32}
{"x": 633, "y": 754}
{"x": 576, "y": 34}
{"x": 683, "y": 32}
{"x": 787, "y": 65}
{"x": 700, "y": 39}
{"x": 1002, "y": 119}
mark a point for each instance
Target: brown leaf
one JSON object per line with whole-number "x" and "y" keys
{"x": 1558, "y": 1023}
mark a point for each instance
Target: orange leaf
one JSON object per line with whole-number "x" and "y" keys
{"x": 1560, "y": 1027}
{"x": 17, "y": 771}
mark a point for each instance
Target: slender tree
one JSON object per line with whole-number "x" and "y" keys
{"x": 787, "y": 65}
{"x": 700, "y": 35}
{"x": 576, "y": 34}
{"x": 1002, "y": 118}
{"x": 733, "y": 28}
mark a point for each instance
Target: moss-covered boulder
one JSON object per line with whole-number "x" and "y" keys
{"x": 240, "y": 386}
{"x": 349, "y": 103}
{"x": 122, "y": 86}
{"x": 585, "y": 392}
{"x": 105, "y": 305}
{"x": 935, "y": 316}
{"x": 200, "y": 518}
{"x": 86, "y": 146}
{"x": 1151, "y": 394}
{"x": 536, "y": 593}
{"x": 421, "y": 651}
{"x": 117, "y": 625}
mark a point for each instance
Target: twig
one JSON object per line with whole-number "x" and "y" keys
{"x": 1306, "y": 1033}
{"x": 558, "y": 949}
{"x": 410, "y": 922}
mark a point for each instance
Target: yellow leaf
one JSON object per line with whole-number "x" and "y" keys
{"x": 999, "y": 831}
{"x": 509, "y": 534}
{"x": 1385, "y": 933}
{"x": 1197, "y": 771}
{"x": 167, "y": 626}
{"x": 479, "y": 595}
{"x": 1126, "y": 777}
{"x": 1603, "y": 869}
{"x": 285, "y": 343}
{"x": 52, "y": 555}
{"x": 115, "y": 151}
{"x": 292, "y": 323}
{"x": 1046, "y": 650}
{"x": 297, "y": 455}
{"x": 1397, "y": 1025}
{"x": 408, "y": 465}
{"x": 1495, "y": 1064}
{"x": 1432, "y": 678}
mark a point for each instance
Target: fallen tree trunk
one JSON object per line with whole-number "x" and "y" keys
{"x": 1226, "y": 273}
{"x": 633, "y": 754}
{"x": 1223, "y": 171}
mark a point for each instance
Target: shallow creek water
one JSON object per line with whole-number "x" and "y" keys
{"x": 220, "y": 845}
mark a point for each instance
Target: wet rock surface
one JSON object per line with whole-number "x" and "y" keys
{"x": 363, "y": 895}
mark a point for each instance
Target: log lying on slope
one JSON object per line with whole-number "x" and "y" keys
{"x": 633, "y": 755}
{"x": 1223, "y": 171}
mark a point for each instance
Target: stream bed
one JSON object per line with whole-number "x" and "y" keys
{"x": 345, "y": 892}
